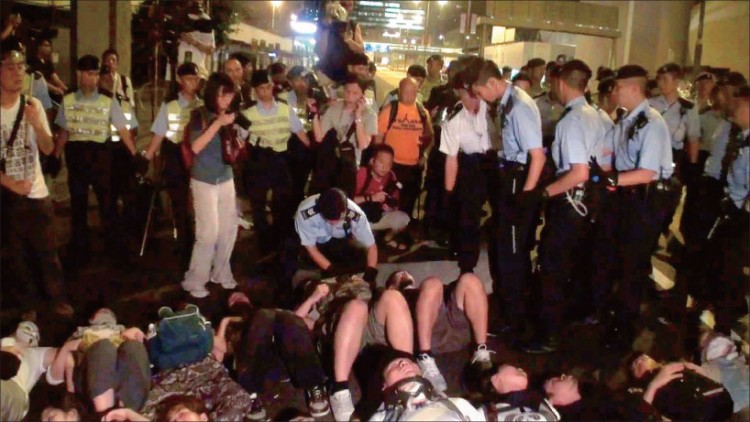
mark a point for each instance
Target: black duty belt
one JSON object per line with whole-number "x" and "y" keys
{"x": 512, "y": 166}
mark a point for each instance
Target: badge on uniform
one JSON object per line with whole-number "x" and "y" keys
{"x": 352, "y": 215}
{"x": 310, "y": 212}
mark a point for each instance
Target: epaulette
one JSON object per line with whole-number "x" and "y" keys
{"x": 37, "y": 74}
{"x": 309, "y": 213}
{"x": 684, "y": 103}
{"x": 454, "y": 111}
{"x": 280, "y": 100}
{"x": 352, "y": 215}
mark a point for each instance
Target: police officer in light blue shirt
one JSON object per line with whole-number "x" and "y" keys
{"x": 332, "y": 228}
{"x": 643, "y": 162}
{"x": 579, "y": 135}
{"x": 521, "y": 164}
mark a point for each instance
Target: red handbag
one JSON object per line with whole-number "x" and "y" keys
{"x": 186, "y": 148}
{"x": 233, "y": 149}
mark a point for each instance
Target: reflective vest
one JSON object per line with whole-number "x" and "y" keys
{"x": 87, "y": 120}
{"x": 301, "y": 113}
{"x": 127, "y": 110}
{"x": 270, "y": 131}
{"x": 178, "y": 117}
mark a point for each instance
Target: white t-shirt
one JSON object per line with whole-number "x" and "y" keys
{"x": 199, "y": 58}
{"x": 32, "y": 365}
{"x": 23, "y": 161}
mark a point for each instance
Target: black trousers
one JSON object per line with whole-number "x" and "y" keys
{"x": 411, "y": 180}
{"x": 268, "y": 172}
{"x": 32, "y": 248}
{"x": 123, "y": 188}
{"x": 475, "y": 182}
{"x": 273, "y": 335}
{"x": 177, "y": 183}
{"x": 515, "y": 234}
{"x": 561, "y": 242}
{"x": 640, "y": 218}
{"x": 89, "y": 164}
{"x": 605, "y": 262}
{"x": 436, "y": 213}
{"x": 301, "y": 163}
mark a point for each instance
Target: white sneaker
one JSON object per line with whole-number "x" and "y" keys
{"x": 482, "y": 357}
{"x": 431, "y": 372}
{"x": 198, "y": 292}
{"x": 244, "y": 223}
{"x": 342, "y": 405}
{"x": 229, "y": 284}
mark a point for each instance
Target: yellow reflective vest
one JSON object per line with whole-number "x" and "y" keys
{"x": 178, "y": 118}
{"x": 87, "y": 120}
{"x": 271, "y": 131}
{"x": 128, "y": 111}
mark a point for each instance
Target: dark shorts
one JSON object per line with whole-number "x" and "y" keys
{"x": 452, "y": 330}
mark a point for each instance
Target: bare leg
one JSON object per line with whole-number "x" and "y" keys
{"x": 393, "y": 312}
{"x": 347, "y": 339}
{"x": 428, "y": 305}
{"x": 104, "y": 401}
{"x": 472, "y": 299}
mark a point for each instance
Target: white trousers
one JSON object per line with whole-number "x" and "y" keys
{"x": 395, "y": 221}
{"x": 215, "y": 234}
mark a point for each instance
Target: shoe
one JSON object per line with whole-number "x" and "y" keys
{"x": 244, "y": 223}
{"x": 482, "y": 357}
{"x": 196, "y": 292}
{"x": 229, "y": 285}
{"x": 317, "y": 401}
{"x": 257, "y": 411}
{"x": 431, "y": 372}
{"x": 342, "y": 405}
{"x": 549, "y": 345}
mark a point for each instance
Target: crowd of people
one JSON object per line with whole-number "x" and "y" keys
{"x": 335, "y": 180}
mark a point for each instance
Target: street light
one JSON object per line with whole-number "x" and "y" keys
{"x": 274, "y": 5}
{"x": 442, "y": 2}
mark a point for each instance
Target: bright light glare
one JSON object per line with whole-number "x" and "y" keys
{"x": 293, "y": 17}
{"x": 276, "y": 3}
{"x": 301, "y": 27}
{"x": 442, "y": 2}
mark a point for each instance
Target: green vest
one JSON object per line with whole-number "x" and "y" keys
{"x": 127, "y": 110}
{"x": 87, "y": 120}
{"x": 270, "y": 131}
{"x": 178, "y": 117}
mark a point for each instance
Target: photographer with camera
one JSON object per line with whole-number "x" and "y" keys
{"x": 196, "y": 46}
{"x": 377, "y": 193}
{"x": 272, "y": 124}
{"x": 234, "y": 69}
{"x": 42, "y": 62}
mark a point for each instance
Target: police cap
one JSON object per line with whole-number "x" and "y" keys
{"x": 672, "y": 68}
{"x": 260, "y": 77}
{"x": 187, "y": 69}
{"x": 297, "y": 72}
{"x": 88, "y": 62}
{"x": 604, "y": 73}
{"x": 606, "y": 85}
{"x": 705, "y": 76}
{"x": 631, "y": 71}
{"x": 743, "y": 92}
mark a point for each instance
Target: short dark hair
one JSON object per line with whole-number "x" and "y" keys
{"x": 331, "y": 204}
{"x": 521, "y": 76}
{"x": 507, "y": 69}
{"x": 189, "y": 402}
{"x": 435, "y": 57}
{"x": 382, "y": 148}
{"x": 672, "y": 68}
{"x": 9, "y": 363}
{"x": 277, "y": 68}
{"x": 416, "y": 71}
{"x": 575, "y": 74}
{"x": 351, "y": 78}
{"x": 535, "y": 62}
{"x": 109, "y": 52}
{"x": 487, "y": 69}
{"x": 218, "y": 83}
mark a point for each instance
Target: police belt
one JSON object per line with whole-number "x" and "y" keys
{"x": 257, "y": 152}
{"x": 647, "y": 189}
{"x": 512, "y": 166}
{"x": 479, "y": 157}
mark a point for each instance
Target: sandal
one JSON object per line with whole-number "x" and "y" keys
{"x": 396, "y": 245}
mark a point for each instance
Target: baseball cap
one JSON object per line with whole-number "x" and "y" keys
{"x": 88, "y": 62}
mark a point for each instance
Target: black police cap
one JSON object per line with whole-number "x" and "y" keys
{"x": 631, "y": 71}
{"x": 673, "y": 68}
{"x": 743, "y": 92}
{"x": 606, "y": 85}
{"x": 88, "y": 62}
{"x": 297, "y": 72}
{"x": 187, "y": 69}
{"x": 705, "y": 76}
{"x": 260, "y": 77}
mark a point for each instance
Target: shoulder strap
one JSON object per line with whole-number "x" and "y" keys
{"x": 392, "y": 115}
{"x": 17, "y": 122}
{"x": 368, "y": 180}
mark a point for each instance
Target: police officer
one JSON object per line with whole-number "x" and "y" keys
{"x": 85, "y": 118}
{"x": 469, "y": 169}
{"x": 273, "y": 122}
{"x": 643, "y": 164}
{"x": 302, "y": 156}
{"x": 579, "y": 135}
{"x": 521, "y": 164}
{"x": 170, "y": 125}
{"x": 731, "y": 245}
{"x": 333, "y": 229}
{"x": 684, "y": 127}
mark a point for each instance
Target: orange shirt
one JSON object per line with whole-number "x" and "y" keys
{"x": 404, "y": 133}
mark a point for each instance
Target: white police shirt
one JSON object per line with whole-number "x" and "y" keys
{"x": 683, "y": 120}
{"x": 738, "y": 176}
{"x": 313, "y": 228}
{"x": 522, "y": 127}
{"x": 649, "y": 146}
{"x": 579, "y": 136}
{"x": 465, "y": 132}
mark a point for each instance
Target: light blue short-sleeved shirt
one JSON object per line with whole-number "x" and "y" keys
{"x": 710, "y": 120}
{"x": 682, "y": 124}
{"x": 295, "y": 125}
{"x": 41, "y": 92}
{"x": 719, "y": 144}
{"x": 313, "y": 228}
{"x": 161, "y": 123}
{"x": 608, "y": 146}
{"x": 116, "y": 116}
{"x": 522, "y": 131}
{"x": 649, "y": 147}
{"x": 579, "y": 135}
{"x": 738, "y": 177}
